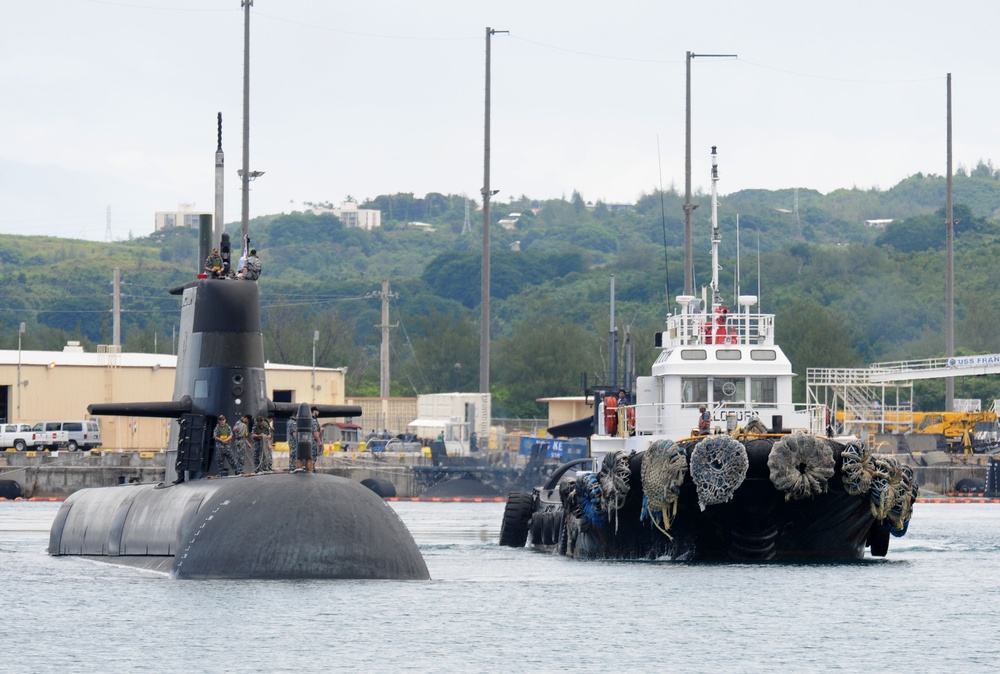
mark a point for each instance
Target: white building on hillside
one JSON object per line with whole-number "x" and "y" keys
{"x": 352, "y": 216}
{"x": 184, "y": 216}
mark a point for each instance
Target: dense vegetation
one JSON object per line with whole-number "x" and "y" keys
{"x": 845, "y": 294}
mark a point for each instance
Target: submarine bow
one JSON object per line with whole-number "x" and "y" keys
{"x": 279, "y": 526}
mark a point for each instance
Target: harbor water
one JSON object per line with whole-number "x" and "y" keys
{"x": 931, "y": 606}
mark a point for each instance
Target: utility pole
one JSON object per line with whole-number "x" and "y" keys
{"x": 688, "y": 206}
{"x": 383, "y": 376}
{"x": 312, "y": 396}
{"x": 20, "y": 333}
{"x": 484, "y": 315}
{"x": 116, "y": 309}
{"x": 245, "y": 174}
{"x": 949, "y": 382}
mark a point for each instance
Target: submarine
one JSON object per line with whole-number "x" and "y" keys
{"x": 200, "y": 524}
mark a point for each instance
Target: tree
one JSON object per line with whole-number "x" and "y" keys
{"x": 541, "y": 356}
{"x": 814, "y": 336}
{"x": 445, "y": 353}
{"x": 927, "y": 232}
{"x": 288, "y": 334}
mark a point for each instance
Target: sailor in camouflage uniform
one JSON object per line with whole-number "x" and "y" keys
{"x": 240, "y": 443}
{"x": 259, "y": 436}
{"x": 293, "y": 443}
{"x": 317, "y": 443}
{"x": 267, "y": 462}
{"x": 213, "y": 264}
{"x": 251, "y": 270}
{"x": 223, "y": 436}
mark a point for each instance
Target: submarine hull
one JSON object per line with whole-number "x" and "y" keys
{"x": 274, "y": 526}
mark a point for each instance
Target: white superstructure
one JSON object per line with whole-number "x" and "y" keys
{"x": 727, "y": 362}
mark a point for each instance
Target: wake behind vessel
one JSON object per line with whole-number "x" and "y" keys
{"x": 711, "y": 459}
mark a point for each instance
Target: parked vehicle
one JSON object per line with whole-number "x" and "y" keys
{"x": 48, "y": 439}
{"x": 85, "y": 434}
{"x": 17, "y": 436}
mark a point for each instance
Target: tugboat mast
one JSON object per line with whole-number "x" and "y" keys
{"x": 716, "y": 236}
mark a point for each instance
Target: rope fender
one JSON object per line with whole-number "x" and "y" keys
{"x": 613, "y": 478}
{"x": 719, "y": 465}
{"x": 857, "y": 469}
{"x": 800, "y": 466}
{"x": 594, "y": 498}
{"x": 883, "y": 488}
{"x": 588, "y": 495}
{"x": 574, "y": 514}
{"x": 663, "y": 467}
{"x": 906, "y": 494}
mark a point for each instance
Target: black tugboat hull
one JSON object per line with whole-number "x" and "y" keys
{"x": 759, "y": 523}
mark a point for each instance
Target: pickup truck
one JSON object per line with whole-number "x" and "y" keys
{"x": 18, "y": 436}
{"x": 49, "y": 440}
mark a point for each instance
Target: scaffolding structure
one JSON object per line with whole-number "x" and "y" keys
{"x": 879, "y": 398}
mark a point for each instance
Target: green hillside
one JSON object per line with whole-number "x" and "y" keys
{"x": 845, "y": 293}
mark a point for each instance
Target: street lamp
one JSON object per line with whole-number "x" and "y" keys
{"x": 458, "y": 371}
{"x": 20, "y": 332}
{"x": 484, "y": 311}
{"x": 312, "y": 397}
{"x": 688, "y": 206}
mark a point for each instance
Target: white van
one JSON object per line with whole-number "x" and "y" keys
{"x": 83, "y": 435}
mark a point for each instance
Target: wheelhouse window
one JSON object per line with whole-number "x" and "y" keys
{"x": 729, "y": 389}
{"x": 694, "y": 354}
{"x": 694, "y": 391}
{"x": 764, "y": 390}
{"x": 763, "y": 354}
{"x": 728, "y": 354}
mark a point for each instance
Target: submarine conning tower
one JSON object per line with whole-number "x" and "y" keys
{"x": 220, "y": 364}
{"x": 220, "y": 360}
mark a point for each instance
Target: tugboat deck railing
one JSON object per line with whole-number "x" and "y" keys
{"x": 695, "y": 328}
{"x": 668, "y": 419}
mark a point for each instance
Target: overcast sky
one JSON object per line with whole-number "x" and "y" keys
{"x": 113, "y": 102}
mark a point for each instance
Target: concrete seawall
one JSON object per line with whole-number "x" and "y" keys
{"x": 59, "y": 474}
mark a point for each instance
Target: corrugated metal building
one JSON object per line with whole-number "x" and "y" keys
{"x": 58, "y": 385}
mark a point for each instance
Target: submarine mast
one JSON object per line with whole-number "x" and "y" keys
{"x": 220, "y": 178}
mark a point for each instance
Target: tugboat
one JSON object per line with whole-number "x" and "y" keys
{"x": 690, "y": 470}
